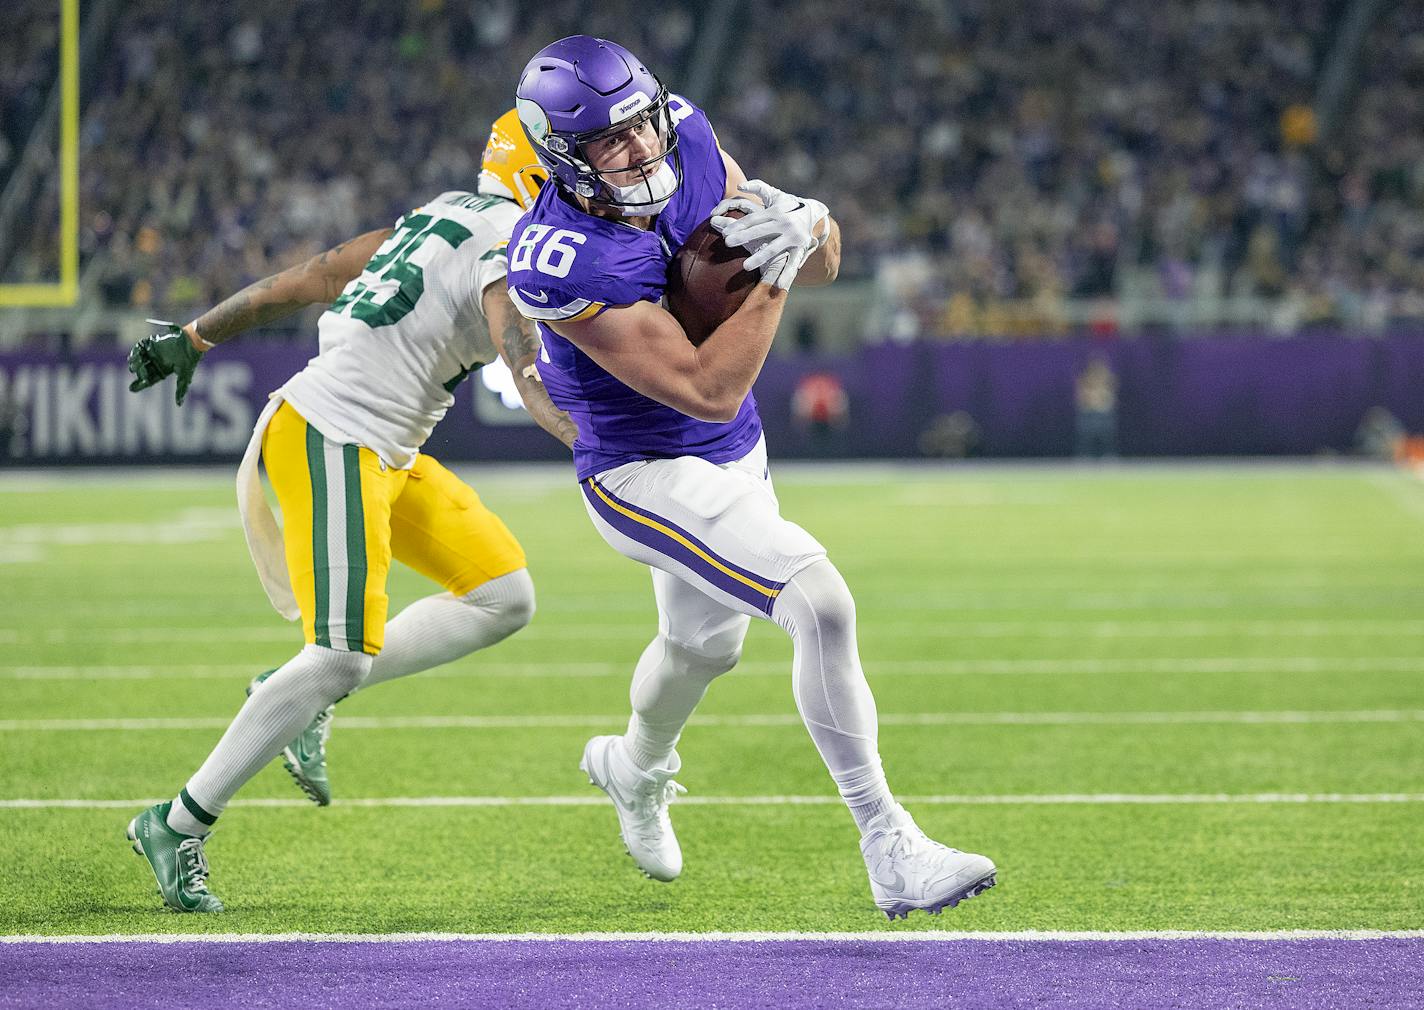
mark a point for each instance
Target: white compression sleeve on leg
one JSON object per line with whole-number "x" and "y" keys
{"x": 698, "y": 640}
{"x": 668, "y": 683}
{"x": 289, "y": 699}
{"x": 441, "y": 628}
{"x": 834, "y": 700}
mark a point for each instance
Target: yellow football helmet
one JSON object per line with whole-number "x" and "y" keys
{"x": 510, "y": 168}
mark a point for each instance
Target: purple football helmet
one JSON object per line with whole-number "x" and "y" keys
{"x": 581, "y": 89}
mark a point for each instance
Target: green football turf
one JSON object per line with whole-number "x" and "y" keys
{"x": 1104, "y": 603}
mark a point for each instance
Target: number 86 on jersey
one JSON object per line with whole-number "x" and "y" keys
{"x": 555, "y": 259}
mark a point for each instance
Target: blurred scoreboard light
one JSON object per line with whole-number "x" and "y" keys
{"x": 496, "y": 400}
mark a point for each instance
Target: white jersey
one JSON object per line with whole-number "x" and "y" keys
{"x": 405, "y": 333}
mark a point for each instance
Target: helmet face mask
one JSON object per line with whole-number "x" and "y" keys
{"x": 581, "y": 90}
{"x": 641, "y": 187}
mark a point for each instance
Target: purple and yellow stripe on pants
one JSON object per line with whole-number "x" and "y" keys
{"x": 674, "y": 542}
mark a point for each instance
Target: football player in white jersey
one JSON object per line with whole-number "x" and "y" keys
{"x": 413, "y": 309}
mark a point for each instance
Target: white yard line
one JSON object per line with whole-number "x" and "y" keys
{"x": 781, "y": 668}
{"x": 191, "y": 525}
{"x": 775, "y": 719}
{"x": 148, "y": 672}
{"x": 125, "y": 636}
{"x": 959, "y": 604}
{"x": 281, "y": 633}
{"x": 584, "y": 800}
{"x": 873, "y": 473}
{"x": 1405, "y": 492}
{"x": 889, "y": 935}
{"x": 1323, "y": 628}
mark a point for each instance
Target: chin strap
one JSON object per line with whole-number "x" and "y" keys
{"x": 626, "y": 194}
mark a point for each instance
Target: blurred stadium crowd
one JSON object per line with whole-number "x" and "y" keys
{"x": 995, "y": 167}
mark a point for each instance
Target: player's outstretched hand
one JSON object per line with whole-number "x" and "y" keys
{"x": 780, "y": 230}
{"x": 168, "y": 352}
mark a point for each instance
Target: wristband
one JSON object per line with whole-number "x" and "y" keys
{"x": 191, "y": 330}
{"x": 819, "y": 212}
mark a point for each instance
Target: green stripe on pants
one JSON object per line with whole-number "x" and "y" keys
{"x": 316, "y": 465}
{"x": 355, "y": 551}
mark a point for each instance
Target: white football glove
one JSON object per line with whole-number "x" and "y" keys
{"x": 780, "y": 231}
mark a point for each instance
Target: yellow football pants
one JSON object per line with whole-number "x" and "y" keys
{"x": 345, "y": 515}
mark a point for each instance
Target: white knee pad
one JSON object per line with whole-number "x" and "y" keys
{"x": 816, "y": 598}
{"x": 707, "y": 657}
{"x": 506, "y": 603}
{"x": 817, "y": 610}
{"x": 669, "y": 681}
{"x": 333, "y": 674}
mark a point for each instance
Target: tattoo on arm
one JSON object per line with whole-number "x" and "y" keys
{"x": 320, "y": 279}
{"x": 334, "y": 283}
{"x": 252, "y": 306}
{"x": 521, "y": 342}
{"x": 331, "y": 253}
{"x": 519, "y": 345}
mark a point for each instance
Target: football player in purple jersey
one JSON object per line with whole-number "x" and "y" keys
{"x": 670, "y": 455}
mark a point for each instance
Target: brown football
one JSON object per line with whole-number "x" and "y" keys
{"x": 706, "y": 282}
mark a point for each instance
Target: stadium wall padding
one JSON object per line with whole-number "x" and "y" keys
{"x": 1216, "y": 396}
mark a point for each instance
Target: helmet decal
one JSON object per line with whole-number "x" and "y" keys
{"x": 510, "y": 168}
{"x": 625, "y": 110}
{"x": 533, "y": 119}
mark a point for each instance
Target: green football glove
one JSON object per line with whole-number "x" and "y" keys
{"x": 155, "y": 358}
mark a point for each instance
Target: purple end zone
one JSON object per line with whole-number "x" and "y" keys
{"x": 1299, "y": 974}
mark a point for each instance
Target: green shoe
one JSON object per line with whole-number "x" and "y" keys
{"x": 305, "y": 757}
{"x": 178, "y": 862}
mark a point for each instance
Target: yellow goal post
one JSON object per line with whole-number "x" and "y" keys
{"x": 65, "y": 291}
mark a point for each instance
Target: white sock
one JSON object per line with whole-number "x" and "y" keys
{"x": 440, "y": 629}
{"x": 834, "y": 700}
{"x": 269, "y": 720}
{"x": 865, "y": 793}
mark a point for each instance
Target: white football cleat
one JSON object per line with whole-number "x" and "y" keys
{"x": 641, "y": 799}
{"x": 909, "y": 870}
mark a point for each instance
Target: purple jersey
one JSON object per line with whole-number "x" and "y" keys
{"x": 566, "y": 264}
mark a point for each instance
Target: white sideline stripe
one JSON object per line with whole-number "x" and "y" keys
{"x": 773, "y": 720}
{"x": 1027, "y": 799}
{"x": 781, "y": 668}
{"x": 881, "y": 936}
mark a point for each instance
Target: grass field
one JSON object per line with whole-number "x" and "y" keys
{"x": 1159, "y": 698}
